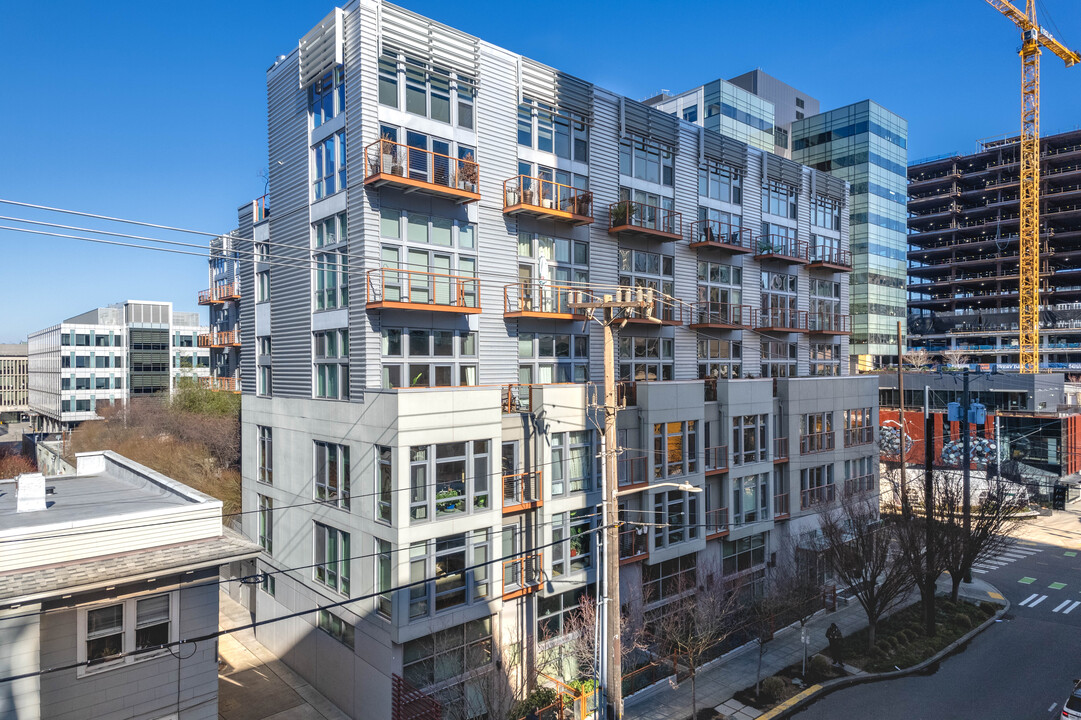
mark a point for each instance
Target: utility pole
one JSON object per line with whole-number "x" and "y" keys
{"x": 625, "y": 300}
{"x": 966, "y": 459}
{"x": 929, "y": 501}
{"x": 901, "y": 417}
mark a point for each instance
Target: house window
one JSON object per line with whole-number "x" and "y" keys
{"x": 268, "y": 584}
{"x": 331, "y": 286}
{"x": 825, "y": 249}
{"x": 645, "y": 358}
{"x": 719, "y": 358}
{"x": 750, "y": 498}
{"x": 826, "y": 213}
{"x": 548, "y": 358}
{"x": 332, "y": 364}
{"x": 332, "y": 558}
{"x": 332, "y": 473}
{"x": 265, "y": 380}
{"x": 750, "y": 438}
{"x": 649, "y": 270}
{"x": 675, "y": 449}
{"x": 779, "y": 198}
{"x": 384, "y": 566}
{"x": 337, "y": 628}
{"x": 441, "y": 563}
{"x": 718, "y": 181}
{"x": 669, "y": 579}
{"x": 264, "y": 346}
{"x": 554, "y": 130}
{"x": 329, "y": 166}
{"x": 720, "y": 294}
{"x": 384, "y": 484}
{"x": 742, "y": 555}
{"x": 460, "y": 471}
{"x": 421, "y": 357}
{"x": 858, "y": 427}
{"x": 824, "y": 310}
{"x": 266, "y": 524}
{"x": 779, "y": 299}
{"x": 446, "y": 654}
{"x": 554, "y": 611}
{"x": 778, "y": 358}
{"x": 647, "y": 160}
{"x": 265, "y": 455}
{"x": 326, "y": 96}
{"x": 859, "y": 474}
{"x": 262, "y": 286}
{"x": 572, "y": 548}
{"x": 388, "y": 80}
{"x": 676, "y": 516}
{"x": 825, "y": 358}
{"x": 816, "y": 485}
{"x": 112, "y": 634}
{"x": 573, "y": 464}
{"x": 816, "y": 432}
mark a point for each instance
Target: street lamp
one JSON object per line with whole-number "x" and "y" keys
{"x": 684, "y": 486}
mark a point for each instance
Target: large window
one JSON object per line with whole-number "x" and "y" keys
{"x": 328, "y": 166}
{"x": 779, "y": 198}
{"x": 859, "y": 429}
{"x": 826, "y": 213}
{"x": 779, "y": 299}
{"x": 860, "y": 474}
{"x": 420, "y": 357}
{"x": 676, "y": 516}
{"x": 448, "y": 479}
{"x": 430, "y": 90}
{"x": 750, "y": 438}
{"x": 337, "y": 628}
{"x": 552, "y": 357}
{"x": 663, "y": 581}
{"x": 750, "y": 498}
{"x": 816, "y": 485}
{"x": 653, "y": 211}
{"x": 719, "y": 358}
{"x": 647, "y": 160}
{"x": 441, "y": 563}
{"x": 266, "y": 524}
{"x": 448, "y": 653}
{"x": 331, "y": 364}
{"x": 720, "y": 293}
{"x": 548, "y": 129}
{"x": 778, "y": 358}
{"x": 326, "y": 96}
{"x": 721, "y": 182}
{"x": 572, "y": 542}
{"x": 825, "y": 304}
{"x": 742, "y": 555}
{"x": 136, "y": 625}
{"x": 574, "y": 465}
{"x": 332, "y": 558}
{"x": 554, "y": 611}
{"x": 384, "y": 503}
{"x": 825, "y": 358}
{"x": 645, "y": 358}
{"x": 675, "y": 449}
{"x": 332, "y": 473}
{"x": 331, "y": 286}
{"x": 816, "y": 432}
{"x": 640, "y": 268}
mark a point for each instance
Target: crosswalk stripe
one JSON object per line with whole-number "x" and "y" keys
{"x": 977, "y": 570}
{"x": 1070, "y": 609}
{"x": 992, "y": 561}
{"x": 1038, "y": 601}
{"x": 1061, "y": 605}
{"x": 1010, "y": 557}
{"x": 1027, "y": 600}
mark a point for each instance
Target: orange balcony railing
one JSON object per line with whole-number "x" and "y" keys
{"x": 203, "y": 340}
{"x": 831, "y": 258}
{"x": 548, "y": 199}
{"x": 780, "y": 320}
{"x": 262, "y": 208}
{"x": 522, "y": 575}
{"x": 208, "y": 297}
{"x": 522, "y": 491}
{"x": 667, "y": 310}
{"x": 716, "y": 459}
{"x": 780, "y": 449}
{"x": 228, "y": 291}
{"x": 780, "y": 506}
{"x": 542, "y": 300}
{"x": 716, "y": 522}
{"x": 817, "y": 496}
{"x": 828, "y": 324}
{"x": 224, "y": 338}
{"x": 632, "y": 472}
{"x": 224, "y": 384}
{"x": 633, "y": 544}
{"x": 720, "y": 235}
{"x": 817, "y": 442}
{"x": 517, "y": 398}
{"x": 860, "y": 484}
{"x": 780, "y": 247}
{"x": 627, "y": 216}
{"x": 417, "y": 169}
{"x": 721, "y": 316}
{"x": 418, "y": 290}
{"x": 859, "y": 436}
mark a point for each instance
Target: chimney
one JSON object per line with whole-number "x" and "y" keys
{"x": 30, "y": 492}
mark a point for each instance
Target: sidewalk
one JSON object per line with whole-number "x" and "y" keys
{"x": 727, "y": 676}
{"x": 253, "y": 684}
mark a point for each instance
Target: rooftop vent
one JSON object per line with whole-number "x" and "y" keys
{"x": 30, "y": 492}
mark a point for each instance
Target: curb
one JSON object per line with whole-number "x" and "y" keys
{"x": 797, "y": 702}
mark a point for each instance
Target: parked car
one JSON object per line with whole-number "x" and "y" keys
{"x": 1072, "y": 707}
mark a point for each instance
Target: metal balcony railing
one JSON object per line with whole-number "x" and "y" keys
{"x": 780, "y": 247}
{"x": 780, "y": 320}
{"x": 631, "y": 471}
{"x": 781, "y": 506}
{"x": 419, "y": 290}
{"x": 780, "y": 448}
{"x": 642, "y": 219}
{"x": 860, "y": 484}
{"x": 817, "y": 496}
{"x": 716, "y": 522}
{"x": 633, "y": 543}
{"x": 859, "y": 436}
{"x": 716, "y": 458}
{"x": 828, "y": 324}
{"x": 547, "y": 198}
{"x": 817, "y": 442}
{"x": 393, "y": 163}
{"x": 542, "y": 300}
{"x": 522, "y": 491}
{"x": 217, "y": 384}
{"x": 715, "y": 233}
{"x": 721, "y": 315}
{"x": 522, "y": 575}
{"x": 262, "y": 208}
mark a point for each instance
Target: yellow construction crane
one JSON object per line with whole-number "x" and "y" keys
{"x": 1032, "y": 37}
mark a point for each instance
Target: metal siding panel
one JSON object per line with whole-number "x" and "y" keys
{"x": 604, "y": 183}
{"x": 686, "y": 258}
{"x": 752, "y": 270}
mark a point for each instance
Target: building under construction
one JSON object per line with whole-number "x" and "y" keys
{"x": 963, "y": 225}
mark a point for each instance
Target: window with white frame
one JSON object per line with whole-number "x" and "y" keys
{"x": 676, "y": 516}
{"x": 384, "y": 566}
{"x": 719, "y": 358}
{"x": 332, "y": 558}
{"x": 741, "y": 555}
{"x": 859, "y": 474}
{"x": 262, "y": 286}
{"x": 645, "y": 358}
{"x": 572, "y": 542}
{"x": 442, "y": 563}
{"x": 675, "y": 449}
{"x": 447, "y": 479}
{"x": 552, "y": 358}
{"x": 446, "y": 654}
{"x": 336, "y": 627}
{"x": 666, "y": 580}
{"x": 648, "y": 160}
{"x": 825, "y": 358}
{"x": 546, "y": 262}
{"x": 539, "y": 185}
{"x": 573, "y": 465}
{"x": 778, "y": 198}
{"x": 331, "y": 354}
{"x": 266, "y": 524}
{"x": 649, "y": 270}
{"x": 430, "y": 91}
{"x": 262, "y": 252}
{"x": 779, "y": 298}
{"x": 384, "y": 502}
{"x": 721, "y": 182}
{"x": 332, "y": 473}
{"x": 778, "y": 358}
{"x": 825, "y": 304}
{"x": 750, "y": 438}
{"x": 265, "y": 454}
{"x": 328, "y": 166}
{"x": 265, "y": 380}
{"x": 750, "y": 498}
{"x": 826, "y": 212}
{"x": 718, "y": 226}
{"x": 428, "y": 252}
{"x": 720, "y": 293}
{"x": 125, "y": 632}
{"x": 554, "y": 130}
{"x": 651, "y": 210}
{"x": 778, "y": 240}
{"x": 825, "y": 249}
{"x": 422, "y": 357}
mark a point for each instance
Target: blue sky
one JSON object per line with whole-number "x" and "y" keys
{"x": 156, "y": 111}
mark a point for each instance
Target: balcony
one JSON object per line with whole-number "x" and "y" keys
{"x": 709, "y": 389}
{"x": 228, "y": 291}
{"x": 626, "y": 393}
{"x": 664, "y": 311}
{"x": 217, "y": 384}
{"x": 223, "y": 338}
{"x": 262, "y": 208}
{"x": 389, "y": 288}
{"x": 633, "y": 545}
{"x": 821, "y": 495}
{"x": 831, "y": 259}
{"x": 631, "y": 472}
{"x": 780, "y": 449}
{"x": 522, "y": 492}
{"x": 418, "y": 170}
{"x": 542, "y": 300}
{"x": 859, "y": 436}
{"x": 780, "y": 320}
{"x": 716, "y": 460}
{"x": 203, "y": 340}
{"x": 649, "y": 221}
{"x": 829, "y": 324}
{"x": 208, "y": 297}
{"x": 720, "y": 235}
{"x": 781, "y": 509}
{"x": 526, "y": 195}
{"x": 716, "y": 523}
{"x": 781, "y": 248}
{"x": 720, "y": 316}
{"x": 861, "y": 484}
{"x": 817, "y": 442}
{"x": 522, "y": 575}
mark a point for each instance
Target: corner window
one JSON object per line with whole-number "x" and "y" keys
{"x": 326, "y": 96}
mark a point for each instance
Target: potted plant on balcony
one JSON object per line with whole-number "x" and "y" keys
{"x": 467, "y": 173}
{"x": 576, "y": 546}
{"x": 622, "y": 213}
{"x": 386, "y": 153}
{"x": 446, "y": 500}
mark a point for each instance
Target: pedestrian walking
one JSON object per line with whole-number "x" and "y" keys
{"x": 833, "y": 634}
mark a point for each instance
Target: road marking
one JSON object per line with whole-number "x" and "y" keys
{"x": 1027, "y": 580}
{"x": 985, "y": 566}
{"x": 977, "y": 570}
{"x": 1038, "y": 601}
{"x": 992, "y": 561}
{"x": 1053, "y": 706}
{"x": 1056, "y": 586}
{"x": 1061, "y": 605}
{"x": 1012, "y": 555}
{"x": 1027, "y": 600}
{"x": 1070, "y": 609}
{"x": 1070, "y": 553}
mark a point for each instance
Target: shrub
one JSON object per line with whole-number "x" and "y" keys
{"x": 773, "y": 689}
{"x": 878, "y": 653}
{"x": 888, "y": 644}
{"x": 989, "y": 608}
{"x": 541, "y": 697}
{"x": 820, "y": 665}
{"x": 900, "y": 639}
{"x": 962, "y": 621}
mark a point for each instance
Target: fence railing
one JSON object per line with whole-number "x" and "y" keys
{"x": 541, "y": 298}
{"x": 631, "y": 214}
{"x": 717, "y": 458}
{"x": 781, "y": 319}
{"x": 817, "y": 496}
{"x": 831, "y": 256}
{"x": 780, "y": 448}
{"x": 522, "y": 573}
{"x": 716, "y": 521}
{"x": 717, "y": 313}
{"x": 781, "y": 505}
{"x": 632, "y": 470}
{"x": 717, "y": 232}
{"x": 217, "y": 384}
{"x": 817, "y": 442}
{"x": 385, "y": 157}
{"x": 632, "y": 543}
{"x": 417, "y": 287}
{"x": 859, "y": 436}
{"x": 828, "y": 323}
{"x": 522, "y": 489}
{"x": 862, "y": 483}
{"x": 780, "y": 246}
{"x": 547, "y": 195}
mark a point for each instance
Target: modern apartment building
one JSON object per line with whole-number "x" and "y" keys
{"x": 725, "y": 108}
{"x": 107, "y": 355}
{"x": 414, "y": 360}
{"x": 963, "y": 258}
{"x": 14, "y": 380}
{"x": 223, "y": 300}
{"x": 865, "y": 145}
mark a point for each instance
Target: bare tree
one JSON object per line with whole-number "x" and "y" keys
{"x": 696, "y": 621}
{"x": 917, "y": 357}
{"x": 580, "y": 627}
{"x": 955, "y": 357}
{"x": 921, "y": 544}
{"x": 860, "y": 549}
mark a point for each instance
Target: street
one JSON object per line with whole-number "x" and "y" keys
{"x": 1022, "y": 668}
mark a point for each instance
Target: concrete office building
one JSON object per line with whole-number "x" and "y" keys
{"x": 14, "y": 381}
{"x": 107, "y": 355}
{"x": 91, "y": 582}
{"x": 413, "y": 361}
{"x": 223, "y": 299}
